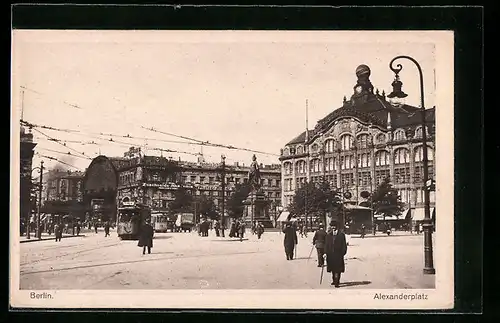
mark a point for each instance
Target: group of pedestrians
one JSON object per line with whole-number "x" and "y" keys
{"x": 330, "y": 244}
{"x": 237, "y": 229}
{"x": 203, "y": 228}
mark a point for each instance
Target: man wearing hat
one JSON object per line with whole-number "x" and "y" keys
{"x": 290, "y": 240}
{"x": 146, "y": 236}
{"x": 319, "y": 242}
{"x": 335, "y": 250}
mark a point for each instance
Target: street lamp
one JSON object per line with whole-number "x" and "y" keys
{"x": 38, "y": 231}
{"x": 398, "y": 93}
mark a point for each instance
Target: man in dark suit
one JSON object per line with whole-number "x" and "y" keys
{"x": 146, "y": 237}
{"x": 335, "y": 249}
{"x": 290, "y": 240}
{"x": 319, "y": 242}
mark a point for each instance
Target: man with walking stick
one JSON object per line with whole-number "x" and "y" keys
{"x": 319, "y": 242}
{"x": 335, "y": 249}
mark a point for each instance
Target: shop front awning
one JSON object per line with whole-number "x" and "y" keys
{"x": 388, "y": 217}
{"x": 355, "y": 207}
{"x": 284, "y": 216}
{"x": 418, "y": 214}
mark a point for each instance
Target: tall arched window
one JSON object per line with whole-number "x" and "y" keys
{"x": 401, "y": 156}
{"x": 399, "y": 135}
{"x": 418, "y": 132}
{"x": 315, "y": 166}
{"x": 287, "y": 168}
{"x": 419, "y": 154}
{"x": 346, "y": 162}
{"x": 381, "y": 158}
{"x": 330, "y": 164}
{"x": 329, "y": 145}
{"x": 300, "y": 167}
{"x": 362, "y": 141}
{"x": 346, "y": 142}
{"x": 363, "y": 160}
{"x": 300, "y": 150}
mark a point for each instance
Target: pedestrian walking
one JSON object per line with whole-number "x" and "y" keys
{"x": 319, "y": 242}
{"x": 146, "y": 237}
{"x": 58, "y": 231}
{"x": 237, "y": 229}
{"x": 217, "y": 228}
{"x": 363, "y": 231}
{"x": 78, "y": 228}
{"x": 290, "y": 240}
{"x": 241, "y": 230}
{"x": 95, "y": 226}
{"x": 259, "y": 229}
{"x": 206, "y": 227}
{"x": 335, "y": 250}
{"x": 106, "y": 229}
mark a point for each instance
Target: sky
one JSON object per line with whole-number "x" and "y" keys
{"x": 245, "y": 89}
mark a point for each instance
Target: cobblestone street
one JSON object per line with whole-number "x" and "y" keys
{"x": 188, "y": 261}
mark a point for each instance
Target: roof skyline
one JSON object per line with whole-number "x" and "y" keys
{"x": 241, "y": 89}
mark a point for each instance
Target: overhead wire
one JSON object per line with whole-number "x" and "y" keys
{"x": 63, "y": 101}
{"x": 66, "y": 146}
{"x": 208, "y": 143}
{"x": 62, "y": 153}
{"x": 58, "y": 160}
{"x": 99, "y": 135}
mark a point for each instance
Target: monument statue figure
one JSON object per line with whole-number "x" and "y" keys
{"x": 254, "y": 174}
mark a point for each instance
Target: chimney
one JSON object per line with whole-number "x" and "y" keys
{"x": 389, "y": 125}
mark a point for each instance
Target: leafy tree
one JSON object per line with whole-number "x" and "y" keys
{"x": 386, "y": 200}
{"x": 315, "y": 198}
{"x": 183, "y": 201}
{"x": 206, "y": 207}
{"x": 234, "y": 204}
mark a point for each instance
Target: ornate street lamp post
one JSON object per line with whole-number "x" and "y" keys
{"x": 427, "y": 224}
{"x": 39, "y": 204}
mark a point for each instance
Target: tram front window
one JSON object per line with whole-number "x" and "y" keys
{"x": 126, "y": 216}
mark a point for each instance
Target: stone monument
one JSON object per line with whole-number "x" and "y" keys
{"x": 256, "y": 204}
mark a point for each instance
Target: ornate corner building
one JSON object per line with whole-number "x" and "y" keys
{"x": 367, "y": 139}
{"x": 27, "y": 147}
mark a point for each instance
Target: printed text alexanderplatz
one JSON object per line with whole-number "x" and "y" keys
{"x": 401, "y": 296}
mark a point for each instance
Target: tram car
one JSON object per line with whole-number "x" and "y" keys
{"x": 131, "y": 217}
{"x": 162, "y": 222}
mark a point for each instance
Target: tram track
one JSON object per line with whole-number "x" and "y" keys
{"x": 134, "y": 261}
{"x": 54, "y": 257}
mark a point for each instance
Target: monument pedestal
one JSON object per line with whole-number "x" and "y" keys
{"x": 256, "y": 210}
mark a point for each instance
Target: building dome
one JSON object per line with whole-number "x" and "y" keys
{"x": 363, "y": 71}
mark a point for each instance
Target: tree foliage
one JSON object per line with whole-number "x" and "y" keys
{"x": 183, "y": 201}
{"x": 235, "y": 206}
{"x": 205, "y": 207}
{"x": 315, "y": 198}
{"x": 386, "y": 200}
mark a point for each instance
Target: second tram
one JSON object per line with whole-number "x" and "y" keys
{"x": 130, "y": 218}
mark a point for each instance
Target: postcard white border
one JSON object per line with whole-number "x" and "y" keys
{"x": 442, "y": 297}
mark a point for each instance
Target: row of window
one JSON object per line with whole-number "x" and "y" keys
{"x": 347, "y": 142}
{"x": 401, "y": 176}
{"x": 382, "y": 158}
{"x": 236, "y": 180}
